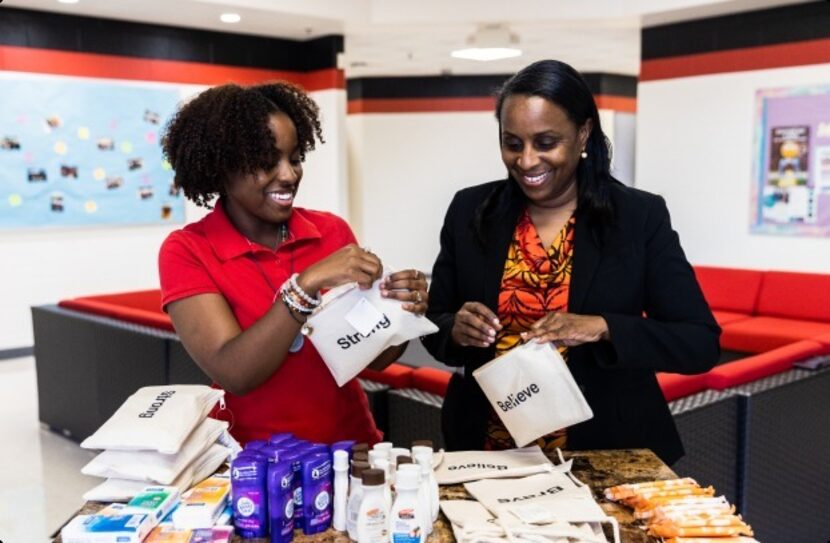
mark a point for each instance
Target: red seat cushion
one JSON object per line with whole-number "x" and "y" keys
{"x": 725, "y": 317}
{"x": 431, "y": 380}
{"x": 140, "y": 307}
{"x": 791, "y": 295}
{"x": 676, "y": 385}
{"x": 762, "y": 365}
{"x": 760, "y": 334}
{"x": 730, "y": 289}
{"x": 395, "y": 375}
{"x": 824, "y": 339}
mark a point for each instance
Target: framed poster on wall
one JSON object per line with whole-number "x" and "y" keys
{"x": 80, "y": 152}
{"x": 791, "y": 185}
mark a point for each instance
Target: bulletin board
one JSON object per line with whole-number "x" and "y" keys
{"x": 791, "y": 186}
{"x": 79, "y": 152}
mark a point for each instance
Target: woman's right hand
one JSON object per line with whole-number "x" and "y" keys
{"x": 346, "y": 265}
{"x": 475, "y": 326}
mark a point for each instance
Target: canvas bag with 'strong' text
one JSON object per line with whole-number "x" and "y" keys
{"x": 533, "y": 392}
{"x": 123, "y": 490}
{"x": 154, "y": 467}
{"x": 157, "y": 418}
{"x": 353, "y": 326}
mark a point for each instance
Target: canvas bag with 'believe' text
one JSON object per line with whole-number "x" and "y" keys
{"x": 533, "y": 392}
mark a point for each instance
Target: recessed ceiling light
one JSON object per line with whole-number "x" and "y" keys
{"x": 68, "y": 1}
{"x": 230, "y": 18}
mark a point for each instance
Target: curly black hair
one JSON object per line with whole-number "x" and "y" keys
{"x": 224, "y": 131}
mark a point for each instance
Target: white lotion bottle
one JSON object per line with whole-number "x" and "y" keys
{"x": 383, "y": 465}
{"x": 406, "y": 519}
{"x": 341, "y": 489}
{"x": 423, "y": 456}
{"x": 422, "y": 495}
{"x": 373, "y": 517}
{"x": 355, "y": 497}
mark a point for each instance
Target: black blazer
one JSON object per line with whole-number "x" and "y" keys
{"x": 640, "y": 269}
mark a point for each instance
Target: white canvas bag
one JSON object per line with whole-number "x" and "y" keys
{"x": 533, "y": 392}
{"x": 546, "y": 499}
{"x": 501, "y": 495}
{"x": 123, "y": 490}
{"x": 154, "y": 467}
{"x": 462, "y": 466}
{"x": 157, "y": 418}
{"x": 353, "y": 326}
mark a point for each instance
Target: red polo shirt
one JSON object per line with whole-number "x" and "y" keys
{"x": 212, "y": 256}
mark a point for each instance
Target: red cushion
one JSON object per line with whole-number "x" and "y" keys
{"x": 760, "y": 334}
{"x": 725, "y": 317}
{"x": 141, "y": 307}
{"x": 762, "y": 365}
{"x": 824, "y": 339}
{"x": 395, "y": 375}
{"x": 675, "y": 385}
{"x": 730, "y": 289}
{"x": 795, "y": 295}
{"x": 431, "y": 380}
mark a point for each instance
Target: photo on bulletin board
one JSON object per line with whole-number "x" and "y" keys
{"x": 791, "y": 186}
{"x": 84, "y": 152}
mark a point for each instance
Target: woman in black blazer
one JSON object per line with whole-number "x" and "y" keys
{"x": 633, "y": 304}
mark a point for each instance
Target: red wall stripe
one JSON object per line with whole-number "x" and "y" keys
{"x": 421, "y": 105}
{"x": 456, "y": 104}
{"x": 49, "y": 61}
{"x": 624, "y": 104}
{"x": 737, "y": 60}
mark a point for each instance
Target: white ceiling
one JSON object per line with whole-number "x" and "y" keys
{"x": 401, "y": 37}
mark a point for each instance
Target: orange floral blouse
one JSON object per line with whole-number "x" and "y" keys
{"x": 535, "y": 282}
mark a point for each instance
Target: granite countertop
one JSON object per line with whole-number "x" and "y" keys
{"x": 597, "y": 469}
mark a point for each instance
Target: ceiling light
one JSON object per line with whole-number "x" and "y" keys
{"x": 490, "y": 42}
{"x": 68, "y": 1}
{"x": 230, "y": 18}
{"x": 484, "y": 54}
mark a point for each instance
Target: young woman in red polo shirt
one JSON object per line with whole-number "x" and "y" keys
{"x": 239, "y": 283}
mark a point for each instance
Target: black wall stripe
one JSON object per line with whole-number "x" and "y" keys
{"x": 45, "y": 30}
{"x": 612, "y": 84}
{"x": 19, "y": 352}
{"x": 461, "y": 86}
{"x": 774, "y": 26}
{"x": 469, "y": 86}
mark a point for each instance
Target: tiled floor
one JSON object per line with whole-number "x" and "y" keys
{"x": 43, "y": 484}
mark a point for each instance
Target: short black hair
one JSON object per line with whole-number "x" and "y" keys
{"x": 224, "y": 131}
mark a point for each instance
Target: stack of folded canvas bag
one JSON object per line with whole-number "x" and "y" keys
{"x": 520, "y": 496}
{"x": 160, "y": 435}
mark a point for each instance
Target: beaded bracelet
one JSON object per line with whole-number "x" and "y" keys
{"x": 290, "y": 299}
{"x": 306, "y": 297}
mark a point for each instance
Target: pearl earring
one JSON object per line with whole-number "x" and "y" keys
{"x": 584, "y": 154}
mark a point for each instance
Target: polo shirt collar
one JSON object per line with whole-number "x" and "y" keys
{"x": 228, "y": 242}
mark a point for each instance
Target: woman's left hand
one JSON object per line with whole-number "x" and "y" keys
{"x": 407, "y": 286}
{"x": 568, "y": 329}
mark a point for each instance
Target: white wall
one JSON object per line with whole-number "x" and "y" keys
{"x": 45, "y": 266}
{"x": 404, "y": 169}
{"x": 695, "y": 147}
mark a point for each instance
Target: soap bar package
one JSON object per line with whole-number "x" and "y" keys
{"x": 128, "y": 528}
{"x": 169, "y": 534}
{"x": 155, "y": 501}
